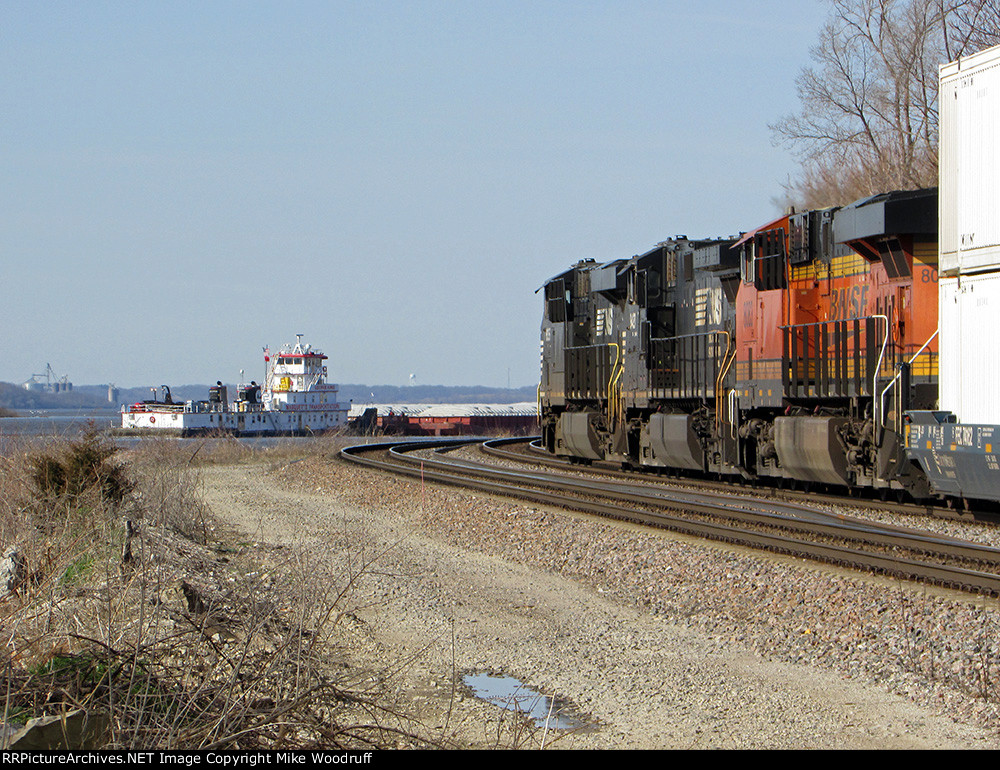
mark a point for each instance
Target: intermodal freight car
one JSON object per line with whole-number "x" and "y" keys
{"x": 958, "y": 444}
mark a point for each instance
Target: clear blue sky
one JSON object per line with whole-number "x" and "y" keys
{"x": 184, "y": 183}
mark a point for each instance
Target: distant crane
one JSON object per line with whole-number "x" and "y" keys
{"x": 53, "y": 383}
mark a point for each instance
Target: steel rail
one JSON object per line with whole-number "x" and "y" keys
{"x": 778, "y": 514}
{"x": 539, "y": 455}
{"x": 446, "y": 472}
{"x": 779, "y": 498}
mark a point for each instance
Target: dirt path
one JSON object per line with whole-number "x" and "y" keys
{"x": 428, "y": 608}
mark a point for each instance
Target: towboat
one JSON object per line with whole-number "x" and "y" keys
{"x": 295, "y": 399}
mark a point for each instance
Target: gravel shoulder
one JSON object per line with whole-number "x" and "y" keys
{"x": 651, "y": 641}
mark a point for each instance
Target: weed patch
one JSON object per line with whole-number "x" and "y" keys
{"x": 185, "y": 643}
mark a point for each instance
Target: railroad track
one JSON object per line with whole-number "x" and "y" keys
{"x": 786, "y": 527}
{"x": 533, "y": 453}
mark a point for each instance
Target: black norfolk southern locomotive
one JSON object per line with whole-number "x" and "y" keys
{"x": 635, "y": 356}
{"x": 795, "y": 352}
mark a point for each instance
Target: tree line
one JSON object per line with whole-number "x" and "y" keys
{"x": 868, "y": 117}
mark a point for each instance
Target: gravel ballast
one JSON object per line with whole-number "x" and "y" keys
{"x": 652, "y": 641}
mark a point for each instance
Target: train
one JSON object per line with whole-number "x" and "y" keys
{"x": 850, "y": 347}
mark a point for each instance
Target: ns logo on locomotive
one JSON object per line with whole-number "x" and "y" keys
{"x": 853, "y": 347}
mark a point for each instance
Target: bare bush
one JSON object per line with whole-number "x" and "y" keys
{"x": 78, "y": 467}
{"x": 166, "y": 491}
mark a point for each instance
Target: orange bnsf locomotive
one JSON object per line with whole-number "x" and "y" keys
{"x": 791, "y": 353}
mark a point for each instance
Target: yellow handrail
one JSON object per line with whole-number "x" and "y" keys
{"x": 615, "y": 406}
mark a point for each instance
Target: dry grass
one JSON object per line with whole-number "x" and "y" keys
{"x": 174, "y": 639}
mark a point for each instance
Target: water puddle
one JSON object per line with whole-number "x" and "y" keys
{"x": 511, "y": 694}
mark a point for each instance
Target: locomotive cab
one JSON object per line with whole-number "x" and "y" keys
{"x": 581, "y": 359}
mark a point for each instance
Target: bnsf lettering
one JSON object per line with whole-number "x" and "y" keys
{"x": 849, "y": 302}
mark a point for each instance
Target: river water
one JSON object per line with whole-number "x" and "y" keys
{"x": 64, "y": 423}
{"x": 73, "y": 423}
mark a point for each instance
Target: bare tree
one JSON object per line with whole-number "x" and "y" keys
{"x": 869, "y": 117}
{"x": 978, "y": 23}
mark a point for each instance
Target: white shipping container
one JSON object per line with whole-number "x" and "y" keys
{"x": 969, "y": 164}
{"x": 969, "y": 370}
